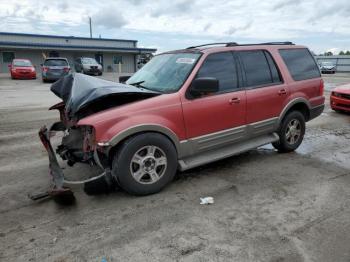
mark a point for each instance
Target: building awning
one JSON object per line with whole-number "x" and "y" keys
{"x": 67, "y": 47}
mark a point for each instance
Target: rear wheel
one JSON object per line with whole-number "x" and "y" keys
{"x": 291, "y": 132}
{"x": 145, "y": 163}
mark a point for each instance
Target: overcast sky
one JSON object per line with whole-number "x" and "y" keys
{"x": 320, "y": 24}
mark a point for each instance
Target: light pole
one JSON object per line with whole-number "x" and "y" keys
{"x": 90, "y": 27}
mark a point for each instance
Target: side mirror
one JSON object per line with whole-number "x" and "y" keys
{"x": 41, "y": 64}
{"x": 9, "y": 66}
{"x": 123, "y": 79}
{"x": 204, "y": 85}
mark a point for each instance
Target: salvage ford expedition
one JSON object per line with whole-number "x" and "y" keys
{"x": 183, "y": 109}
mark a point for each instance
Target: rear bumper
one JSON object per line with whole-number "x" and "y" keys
{"x": 92, "y": 71}
{"x": 325, "y": 71}
{"x": 338, "y": 103}
{"x": 316, "y": 111}
{"x": 50, "y": 76}
{"x": 30, "y": 75}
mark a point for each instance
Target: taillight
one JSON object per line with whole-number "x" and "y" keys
{"x": 66, "y": 69}
{"x": 45, "y": 69}
{"x": 321, "y": 87}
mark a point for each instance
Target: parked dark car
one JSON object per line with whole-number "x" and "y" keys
{"x": 327, "y": 67}
{"x": 54, "y": 68}
{"x": 87, "y": 65}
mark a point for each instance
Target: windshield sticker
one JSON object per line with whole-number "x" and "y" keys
{"x": 185, "y": 60}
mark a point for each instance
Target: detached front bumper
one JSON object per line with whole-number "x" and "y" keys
{"x": 59, "y": 182}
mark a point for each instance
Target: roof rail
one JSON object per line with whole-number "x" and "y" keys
{"x": 235, "y": 44}
{"x": 222, "y": 43}
{"x": 278, "y": 43}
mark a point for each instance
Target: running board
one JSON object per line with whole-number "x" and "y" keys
{"x": 227, "y": 151}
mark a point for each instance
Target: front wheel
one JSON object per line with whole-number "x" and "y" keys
{"x": 145, "y": 163}
{"x": 291, "y": 132}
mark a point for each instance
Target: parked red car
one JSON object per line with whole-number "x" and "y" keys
{"x": 22, "y": 69}
{"x": 183, "y": 109}
{"x": 340, "y": 98}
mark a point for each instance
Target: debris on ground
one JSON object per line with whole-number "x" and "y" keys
{"x": 206, "y": 200}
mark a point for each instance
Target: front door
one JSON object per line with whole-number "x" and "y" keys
{"x": 215, "y": 119}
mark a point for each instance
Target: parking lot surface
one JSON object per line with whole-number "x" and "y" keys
{"x": 268, "y": 206}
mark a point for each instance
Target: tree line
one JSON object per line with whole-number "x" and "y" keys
{"x": 340, "y": 53}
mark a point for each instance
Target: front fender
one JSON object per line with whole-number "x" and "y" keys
{"x": 112, "y": 135}
{"x": 145, "y": 128}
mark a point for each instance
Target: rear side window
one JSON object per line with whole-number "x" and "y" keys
{"x": 259, "y": 68}
{"x": 300, "y": 63}
{"x": 56, "y": 62}
{"x": 222, "y": 67}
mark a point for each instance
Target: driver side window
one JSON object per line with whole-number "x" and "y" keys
{"x": 223, "y": 68}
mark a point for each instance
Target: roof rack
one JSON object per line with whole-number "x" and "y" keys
{"x": 235, "y": 44}
{"x": 274, "y": 43}
{"x": 222, "y": 43}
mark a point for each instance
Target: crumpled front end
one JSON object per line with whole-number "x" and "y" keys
{"x": 83, "y": 96}
{"x": 77, "y": 146}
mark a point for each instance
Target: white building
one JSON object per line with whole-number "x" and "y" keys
{"x": 108, "y": 52}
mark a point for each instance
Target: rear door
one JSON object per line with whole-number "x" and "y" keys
{"x": 266, "y": 92}
{"x": 303, "y": 69}
{"x": 216, "y": 119}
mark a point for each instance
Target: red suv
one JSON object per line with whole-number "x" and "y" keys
{"x": 183, "y": 109}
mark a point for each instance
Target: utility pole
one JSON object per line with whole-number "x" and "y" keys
{"x": 90, "y": 27}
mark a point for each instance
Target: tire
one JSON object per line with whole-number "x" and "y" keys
{"x": 289, "y": 142}
{"x": 134, "y": 162}
{"x": 44, "y": 80}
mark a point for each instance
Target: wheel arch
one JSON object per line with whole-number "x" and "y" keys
{"x": 298, "y": 104}
{"x": 117, "y": 140}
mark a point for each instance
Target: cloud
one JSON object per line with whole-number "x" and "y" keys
{"x": 285, "y": 3}
{"x": 234, "y": 29}
{"x": 316, "y": 22}
{"x": 109, "y": 19}
{"x": 63, "y": 6}
{"x": 207, "y": 26}
{"x": 182, "y": 7}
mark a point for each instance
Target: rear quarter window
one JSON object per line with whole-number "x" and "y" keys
{"x": 56, "y": 62}
{"x": 300, "y": 63}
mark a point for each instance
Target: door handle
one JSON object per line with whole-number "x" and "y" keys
{"x": 282, "y": 92}
{"x": 234, "y": 100}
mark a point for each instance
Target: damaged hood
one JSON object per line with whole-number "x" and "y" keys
{"x": 84, "y": 95}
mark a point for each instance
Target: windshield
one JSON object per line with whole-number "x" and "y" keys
{"x": 24, "y": 63}
{"x": 56, "y": 62}
{"x": 327, "y": 63}
{"x": 165, "y": 73}
{"x": 88, "y": 60}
